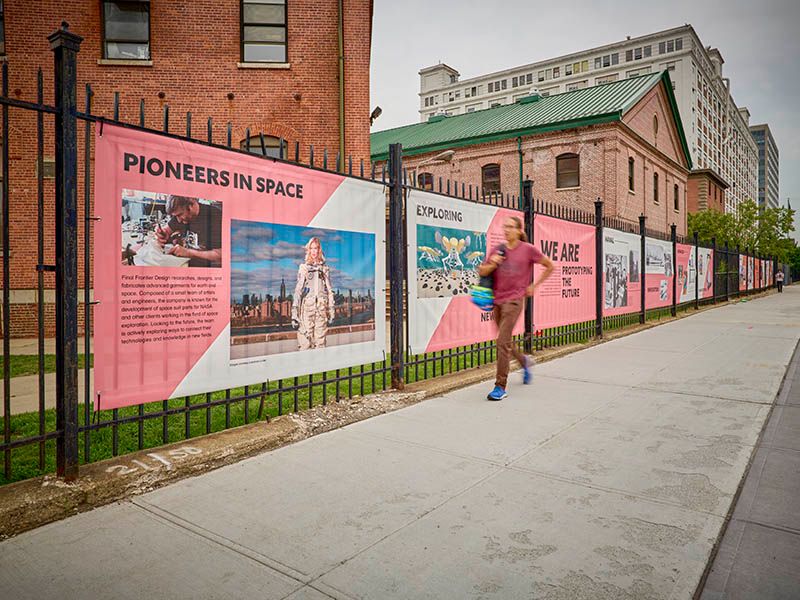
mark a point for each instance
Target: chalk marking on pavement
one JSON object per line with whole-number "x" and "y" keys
{"x": 175, "y": 454}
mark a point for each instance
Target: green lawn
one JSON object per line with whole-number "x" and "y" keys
{"x": 150, "y": 432}
{"x": 28, "y": 364}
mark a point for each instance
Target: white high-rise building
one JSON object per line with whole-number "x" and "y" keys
{"x": 717, "y": 131}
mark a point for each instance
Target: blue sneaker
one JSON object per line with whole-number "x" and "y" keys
{"x": 527, "y": 372}
{"x": 497, "y": 393}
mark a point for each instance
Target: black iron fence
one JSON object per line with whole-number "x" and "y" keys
{"x": 45, "y": 435}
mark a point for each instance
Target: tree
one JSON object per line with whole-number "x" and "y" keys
{"x": 759, "y": 231}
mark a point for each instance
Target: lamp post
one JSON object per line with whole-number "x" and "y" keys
{"x": 445, "y": 156}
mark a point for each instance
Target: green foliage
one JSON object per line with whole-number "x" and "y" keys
{"x": 760, "y": 231}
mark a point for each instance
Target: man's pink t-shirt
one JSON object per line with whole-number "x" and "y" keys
{"x": 513, "y": 277}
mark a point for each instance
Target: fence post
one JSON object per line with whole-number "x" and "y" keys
{"x": 697, "y": 271}
{"x": 527, "y": 207}
{"x": 714, "y": 268}
{"x": 642, "y": 260}
{"x": 598, "y": 267}
{"x": 65, "y": 46}
{"x": 396, "y": 262}
{"x": 673, "y": 232}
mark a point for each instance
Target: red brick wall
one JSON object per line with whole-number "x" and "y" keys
{"x": 195, "y": 48}
{"x": 640, "y": 119}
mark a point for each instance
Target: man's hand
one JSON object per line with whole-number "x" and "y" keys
{"x": 180, "y": 251}
{"x": 162, "y": 234}
{"x": 497, "y": 260}
{"x": 531, "y": 289}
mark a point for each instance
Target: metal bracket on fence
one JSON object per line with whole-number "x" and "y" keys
{"x": 45, "y": 268}
{"x": 102, "y": 122}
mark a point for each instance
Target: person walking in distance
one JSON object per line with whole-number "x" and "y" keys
{"x": 511, "y": 266}
{"x": 779, "y": 281}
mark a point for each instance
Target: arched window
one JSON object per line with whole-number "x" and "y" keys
{"x": 490, "y": 178}
{"x": 568, "y": 171}
{"x": 655, "y": 188}
{"x": 425, "y": 181}
{"x": 630, "y": 174}
{"x": 676, "y": 202}
{"x": 271, "y": 146}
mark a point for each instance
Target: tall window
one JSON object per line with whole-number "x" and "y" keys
{"x": 630, "y": 174}
{"x": 675, "y": 200}
{"x": 490, "y": 178}
{"x": 126, "y": 30}
{"x": 264, "y": 31}
{"x": 425, "y": 181}
{"x": 568, "y": 171}
{"x": 655, "y": 188}
{"x": 272, "y": 146}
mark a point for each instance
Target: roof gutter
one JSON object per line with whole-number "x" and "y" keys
{"x": 340, "y": 165}
{"x": 519, "y": 151}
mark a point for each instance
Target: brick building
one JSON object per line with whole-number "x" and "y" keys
{"x": 268, "y": 65}
{"x": 706, "y": 190}
{"x": 621, "y": 142}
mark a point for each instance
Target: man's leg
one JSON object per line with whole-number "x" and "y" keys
{"x": 509, "y": 313}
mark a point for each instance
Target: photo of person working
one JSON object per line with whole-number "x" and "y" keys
{"x": 194, "y": 231}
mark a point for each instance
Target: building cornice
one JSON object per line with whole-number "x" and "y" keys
{"x": 572, "y": 56}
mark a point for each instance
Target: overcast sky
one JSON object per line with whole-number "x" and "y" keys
{"x": 759, "y": 40}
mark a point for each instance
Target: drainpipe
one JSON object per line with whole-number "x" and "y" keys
{"x": 519, "y": 151}
{"x": 341, "y": 85}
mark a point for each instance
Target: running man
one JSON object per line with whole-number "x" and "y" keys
{"x": 512, "y": 268}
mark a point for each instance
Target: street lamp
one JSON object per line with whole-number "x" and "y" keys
{"x": 445, "y": 156}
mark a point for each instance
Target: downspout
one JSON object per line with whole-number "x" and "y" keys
{"x": 341, "y": 86}
{"x": 519, "y": 151}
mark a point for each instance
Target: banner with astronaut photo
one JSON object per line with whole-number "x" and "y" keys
{"x": 233, "y": 270}
{"x": 621, "y": 272}
{"x": 447, "y": 240}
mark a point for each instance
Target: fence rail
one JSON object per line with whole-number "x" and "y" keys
{"x": 61, "y": 436}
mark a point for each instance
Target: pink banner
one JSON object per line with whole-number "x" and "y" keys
{"x": 742, "y": 272}
{"x": 447, "y": 241}
{"x": 568, "y": 296}
{"x": 659, "y": 269}
{"x": 233, "y": 269}
{"x": 688, "y": 286}
{"x": 705, "y": 272}
{"x": 622, "y": 263}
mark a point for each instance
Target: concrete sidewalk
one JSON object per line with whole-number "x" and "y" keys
{"x": 610, "y": 477}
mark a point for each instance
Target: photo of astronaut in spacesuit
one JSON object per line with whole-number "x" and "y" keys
{"x": 313, "y": 302}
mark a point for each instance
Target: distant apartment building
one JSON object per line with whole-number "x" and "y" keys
{"x": 768, "y": 195}
{"x": 717, "y": 131}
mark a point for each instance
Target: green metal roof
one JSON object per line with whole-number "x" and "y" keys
{"x": 599, "y": 104}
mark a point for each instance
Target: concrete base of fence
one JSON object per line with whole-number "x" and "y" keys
{"x": 35, "y": 502}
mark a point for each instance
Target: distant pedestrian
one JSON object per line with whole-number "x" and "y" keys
{"x": 779, "y": 281}
{"x": 511, "y": 266}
